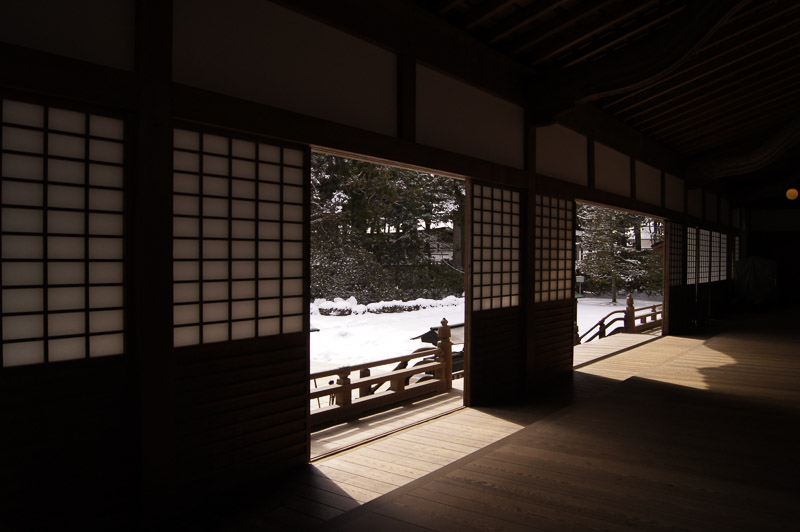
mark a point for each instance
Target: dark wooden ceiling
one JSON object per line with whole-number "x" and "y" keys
{"x": 736, "y": 88}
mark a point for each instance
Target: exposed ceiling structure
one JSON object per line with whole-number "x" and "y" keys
{"x": 716, "y": 81}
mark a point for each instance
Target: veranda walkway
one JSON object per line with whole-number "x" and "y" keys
{"x": 691, "y": 433}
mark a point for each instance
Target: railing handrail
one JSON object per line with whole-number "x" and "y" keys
{"x": 601, "y": 321}
{"x": 375, "y": 363}
{"x": 436, "y": 377}
{"x": 654, "y": 311}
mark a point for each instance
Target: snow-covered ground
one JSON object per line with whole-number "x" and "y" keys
{"x": 363, "y": 336}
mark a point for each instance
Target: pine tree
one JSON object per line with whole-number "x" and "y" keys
{"x": 611, "y": 251}
{"x": 374, "y": 227}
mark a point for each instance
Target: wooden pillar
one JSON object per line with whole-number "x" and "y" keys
{"x": 150, "y": 271}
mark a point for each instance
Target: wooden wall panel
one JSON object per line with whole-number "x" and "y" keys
{"x": 219, "y": 44}
{"x": 68, "y": 440}
{"x": 552, "y": 337}
{"x": 612, "y": 170}
{"x": 495, "y": 357}
{"x": 561, "y": 154}
{"x": 648, "y": 183}
{"x": 673, "y": 193}
{"x": 460, "y": 118}
{"x": 91, "y": 30}
{"x": 240, "y": 415}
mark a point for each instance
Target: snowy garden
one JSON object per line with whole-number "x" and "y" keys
{"x": 387, "y": 259}
{"x": 364, "y": 333}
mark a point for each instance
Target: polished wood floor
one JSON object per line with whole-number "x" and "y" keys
{"x": 679, "y": 433}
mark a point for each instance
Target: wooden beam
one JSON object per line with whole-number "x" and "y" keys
{"x": 406, "y": 98}
{"x": 487, "y": 11}
{"x": 62, "y": 77}
{"x": 633, "y": 67}
{"x": 150, "y": 307}
{"x": 519, "y": 19}
{"x": 759, "y": 77}
{"x": 205, "y": 107}
{"x": 740, "y": 163}
{"x": 708, "y": 64}
{"x": 556, "y": 25}
{"x": 579, "y": 33}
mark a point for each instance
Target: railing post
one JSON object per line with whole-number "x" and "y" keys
{"x": 343, "y": 395}
{"x": 397, "y": 384}
{"x": 446, "y": 348}
{"x": 630, "y": 315}
{"x": 603, "y": 329}
{"x": 576, "y": 338}
{"x": 364, "y": 389}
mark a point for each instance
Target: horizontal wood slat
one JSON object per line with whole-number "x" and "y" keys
{"x": 553, "y": 337}
{"x": 66, "y": 436}
{"x": 496, "y": 356}
{"x": 236, "y": 406}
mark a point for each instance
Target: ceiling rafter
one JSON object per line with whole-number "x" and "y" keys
{"x": 449, "y": 6}
{"x": 524, "y": 17}
{"x": 719, "y": 108}
{"x": 577, "y": 35}
{"x": 629, "y": 68}
{"x": 733, "y": 119}
{"x": 487, "y": 11}
{"x": 748, "y": 21}
{"x": 756, "y": 124}
{"x": 711, "y": 52}
{"x": 739, "y": 163}
{"x": 699, "y": 69}
{"x": 756, "y": 80}
{"x": 555, "y": 25}
{"x": 719, "y": 84}
{"x": 668, "y": 14}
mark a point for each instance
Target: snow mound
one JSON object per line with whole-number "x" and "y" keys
{"x": 349, "y": 306}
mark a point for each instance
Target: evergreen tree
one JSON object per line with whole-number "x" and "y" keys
{"x": 374, "y": 227}
{"x": 611, "y": 251}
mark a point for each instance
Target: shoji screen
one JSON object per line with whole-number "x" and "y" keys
{"x": 691, "y": 255}
{"x": 552, "y": 331}
{"x": 723, "y": 257}
{"x": 62, "y": 234}
{"x": 553, "y": 266}
{"x": 238, "y": 238}
{"x": 704, "y": 254}
{"x": 676, "y": 254}
{"x": 495, "y": 248}
{"x": 715, "y": 256}
{"x": 495, "y": 334}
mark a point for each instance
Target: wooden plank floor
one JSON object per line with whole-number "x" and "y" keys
{"x": 589, "y": 352}
{"x": 368, "y": 428}
{"x": 679, "y": 433}
{"x": 689, "y": 433}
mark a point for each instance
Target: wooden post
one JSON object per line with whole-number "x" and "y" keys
{"x": 446, "y": 347}
{"x": 603, "y": 329}
{"x": 343, "y": 396}
{"x": 576, "y": 338}
{"x": 630, "y": 315}
{"x": 397, "y": 384}
{"x": 364, "y": 389}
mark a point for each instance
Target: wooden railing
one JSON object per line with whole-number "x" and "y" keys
{"x": 347, "y": 397}
{"x": 648, "y": 317}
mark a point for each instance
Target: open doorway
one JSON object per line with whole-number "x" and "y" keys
{"x": 619, "y": 273}
{"x": 387, "y": 255}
